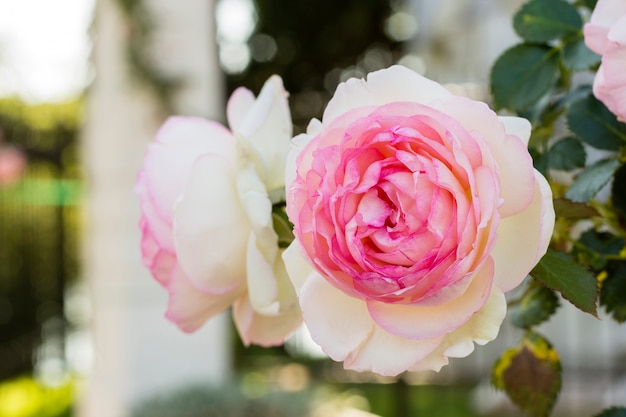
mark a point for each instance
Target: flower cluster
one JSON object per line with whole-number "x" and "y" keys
{"x": 414, "y": 210}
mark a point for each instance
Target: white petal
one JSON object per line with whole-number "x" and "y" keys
{"x": 297, "y": 145}
{"x": 169, "y": 160}
{"x": 524, "y": 238}
{"x": 337, "y": 322}
{"x": 211, "y": 229}
{"x": 268, "y": 130}
{"x": 390, "y": 355}
{"x": 239, "y": 105}
{"x": 394, "y": 84}
{"x": 427, "y": 321}
{"x": 262, "y": 285}
{"x": 517, "y": 126}
{"x": 298, "y": 267}
{"x": 258, "y": 329}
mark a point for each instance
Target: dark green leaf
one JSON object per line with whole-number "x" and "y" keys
{"x": 530, "y": 374}
{"x": 536, "y": 305}
{"x": 560, "y": 272}
{"x": 591, "y": 180}
{"x": 591, "y": 121}
{"x": 567, "y": 154}
{"x": 522, "y": 75}
{"x": 618, "y": 191}
{"x": 613, "y": 293}
{"x": 590, "y": 4}
{"x": 595, "y": 246}
{"x": 540, "y": 161}
{"x": 613, "y": 412}
{"x": 545, "y": 20}
{"x": 282, "y": 225}
{"x": 572, "y": 210}
{"x": 577, "y": 56}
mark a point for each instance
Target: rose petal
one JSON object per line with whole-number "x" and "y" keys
{"x": 394, "y": 84}
{"x": 169, "y": 160}
{"x": 211, "y": 229}
{"x": 389, "y": 355}
{"x": 239, "y": 105}
{"x": 517, "y": 126}
{"x": 258, "y": 329}
{"x": 483, "y": 327}
{"x": 267, "y": 130}
{"x": 337, "y": 322}
{"x": 298, "y": 268}
{"x": 427, "y": 321}
{"x": 190, "y": 308}
{"x": 514, "y": 163}
{"x": 524, "y": 238}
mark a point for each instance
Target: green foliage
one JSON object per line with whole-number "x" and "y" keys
{"x": 562, "y": 273}
{"x": 613, "y": 412}
{"x": 530, "y": 374}
{"x": 595, "y": 248}
{"x": 592, "y": 122}
{"x": 545, "y": 20}
{"x": 523, "y": 74}
{"x": 613, "y": 293}
{"x": 591, "y": 180}
{"x": 567, "y": 154}
{"x": 535, "y": 306}
{"x": 577, "y": 56}
{"x": 225, "y": 401}
{"x": 618, "y": 192}
{"x": 568, "y": 209}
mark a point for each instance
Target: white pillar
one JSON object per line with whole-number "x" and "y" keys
{"x": 137, "y": 352}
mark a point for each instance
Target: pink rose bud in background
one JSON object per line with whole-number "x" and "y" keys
{"x": 206, "y": 196}
{"x": 12, "y": 165}
{"x": 415, "y": 210}
{"x": 605, "y": 34}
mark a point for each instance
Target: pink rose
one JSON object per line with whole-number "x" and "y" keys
{"x": 206, "y": 198}
{"x": 605, "y": 34}
{"x": 417, "y": 209}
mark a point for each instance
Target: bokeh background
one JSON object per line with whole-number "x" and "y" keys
{"x": 84, "y": 84}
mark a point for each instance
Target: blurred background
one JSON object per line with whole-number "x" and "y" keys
{"x": 84, "y": 84}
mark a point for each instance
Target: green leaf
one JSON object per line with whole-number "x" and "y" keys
{"x": 613, "y": 293}
{"x": 536, "y": 305}
{"x": 530, "y": 374}
{"x": 560, "y": 272}
{"x": 569, "y": 209}
{"x": 545, "y": 20}
{"x": 592, "y": 122}
{"x": 282, "y": 225}
{"x": 613, "y": 412}
{"x": 567, "y": 154}
{"x": 591, "y": 180}
{"x": 590, "y": 4}
{"x": 577, "y": 56}
{"x": 522, "y": 75}
{"x": 618, "y": 194}
{"x": 594, "y": 246}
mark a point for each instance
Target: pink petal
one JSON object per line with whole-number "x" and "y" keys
{"x": 514, "y": 163}
{"x": 337, "y": 322}
{"x": 264, "y": 330}
{"x": 211, "y": 229}
{"x": 524, "y": 238}
{"x": 190, "y": 308}
{"x": 428, "y": 321}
